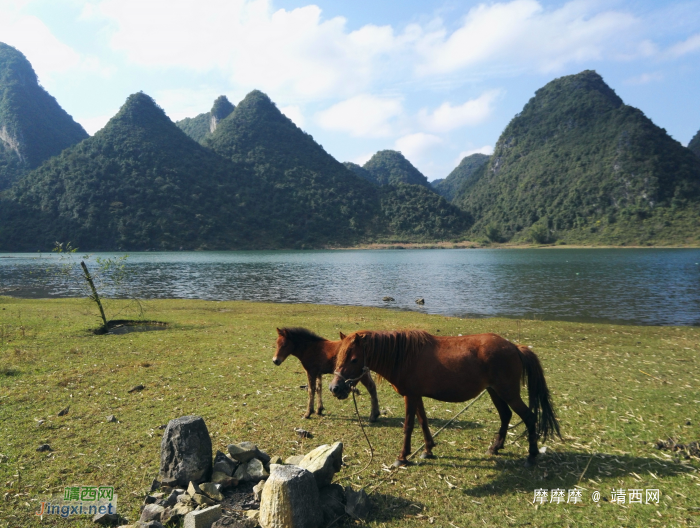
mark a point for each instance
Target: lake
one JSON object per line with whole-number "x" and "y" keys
{"x": 631, "y": 286}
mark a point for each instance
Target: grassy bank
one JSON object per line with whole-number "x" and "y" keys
{"x": 617, "y": 390}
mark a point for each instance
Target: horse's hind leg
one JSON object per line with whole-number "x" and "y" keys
{"x": 427, "y": 435}
{"x": 368, "y": 382}
{"x": 319, "y": 394}
{"x": 311, "y": 390}
{"x": 505, "y": 413}
{"x": 530, "y": 421}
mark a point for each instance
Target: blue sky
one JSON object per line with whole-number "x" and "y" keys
{"x": 435, "y": 80}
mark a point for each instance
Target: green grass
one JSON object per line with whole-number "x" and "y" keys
{"x": 214, "y": 361}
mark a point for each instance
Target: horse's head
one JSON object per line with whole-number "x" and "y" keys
{"x": 284, "y": 347}
{"x": 349, "y": 365}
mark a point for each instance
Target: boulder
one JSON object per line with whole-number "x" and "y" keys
{"x": 294, "y": 460}
{"x": 244, "y": 451}
{"x": 290, "y": 499}
{"x": 356, "y": 503}
{"x": 172, "y": 498}
{"x": 224, "y": 464}
{"x": 202, "y": 518}
{"x": 251, "y": 471}
{"x": 151, "y": 512}
{"x": 323, "y": 462}
{"x": 332, "y": 499}
{"x": 185, "y": 451}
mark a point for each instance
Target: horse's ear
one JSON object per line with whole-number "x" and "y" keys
{"x": 342, "y": 335}
{"x": 281, "y": 333}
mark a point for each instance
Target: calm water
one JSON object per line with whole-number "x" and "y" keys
{"x": 638, "y": 286}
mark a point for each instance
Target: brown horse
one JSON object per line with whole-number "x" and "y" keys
{"x": 451, "y": 369}
{"x": 317, "y": 356}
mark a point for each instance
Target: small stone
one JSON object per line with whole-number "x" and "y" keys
{"x": 303, "y": 433}
{"x": 231, "y": 522}
{"x": 253, "y": 515}
{"x": 172, "y": 498}
{"x": 257, "y": 490}
{"x": 112, "y": 419}
{"x": 263, "y": 457}
{"x": 202, "y": 518}
{"x": 149, "y": 524}
{"x": 202, "y": 500}
{"x": 244, "y": 451}
{"x": 420, "y": 300}
{"x": 211, "y": 490}
{"x": 276, "y": 460}
{"x": 294, "y": 460}
{"x": 323, "y": 462}
{"x": 388, "y": 299}
{"x": 151, "y": 512}
{"x": 256, "y": 471}
{"x": 224, "y": 464}
{"x": 44, "y": 447}
{"x": 105, "y": 518}
{"x": 150, "y": 499}
{"x": 162, "y": 426}
{"x": 155, "y": 485}
{"x": 224, "y": 480}
{"x": 136, "y": 388}
{"x": 39, "y": 423}
{"x": 63, "y": 412}
{"x": 192, "y": 489}
{"x": 356, "y": 503}
{"x": 181, "y": 509}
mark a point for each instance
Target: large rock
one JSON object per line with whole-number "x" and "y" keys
{"x": 294, "y": 459}
{"x": 185, "y": 452}
{"x": 151, "y": 512}
{"x": 251, "y": 471}
{"x": 224, "y": 464}
{"x": 290, "y": 499}
{"x": 202, "y": 518}
{"x": 211, "y": 490}
{"x": 356, "y": 503}
{"x": 324, "y": 462}
{"x": 244, "y": 451}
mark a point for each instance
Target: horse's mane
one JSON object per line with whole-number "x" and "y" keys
{"x": 390, "y": 352}
{"x": 301, "y": 336}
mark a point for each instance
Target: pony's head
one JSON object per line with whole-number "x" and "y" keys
{"x": 284, "y": 346}
{"x": 350, "y": 364}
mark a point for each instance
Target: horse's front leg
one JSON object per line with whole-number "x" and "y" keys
{"x": 427, "y": 435}
{"x": 319, "y": 394}
{"x": 368, "y": 382}
{"x": 311, "y": 390}
{"x": 407, "y": 430}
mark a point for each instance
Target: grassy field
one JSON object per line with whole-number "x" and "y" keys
{"x": 617, "y": 389}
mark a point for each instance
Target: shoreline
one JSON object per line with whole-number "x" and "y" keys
{"x": 476, "y": 245}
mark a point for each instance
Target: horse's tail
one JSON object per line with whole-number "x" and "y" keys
{"x": 540, "y": 401}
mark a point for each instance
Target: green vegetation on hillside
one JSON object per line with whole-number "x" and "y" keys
{"x": 33, "y": 127}
{"x": 577, "y": 160}
{"x": 694, "y": 144}
{"x": 616, "y": 390}
{"x": 389, "y": 167}
{"x": 203, "y": 125}
{"x": 359, "y": 171}
{"x": 449, "y": 187}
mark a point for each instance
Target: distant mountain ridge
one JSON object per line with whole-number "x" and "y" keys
{"x": 577, "y": 160}
{"x": 694, "y": 144}
{"x": 204, "y": 125}
{"x": 449, "y": 187}
{"x": 33, "y": 127}
{"x": 389, "y": 167}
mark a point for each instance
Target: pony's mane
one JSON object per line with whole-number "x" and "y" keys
{"x": 390, "y": 352}
{"x": 302, "y": 336}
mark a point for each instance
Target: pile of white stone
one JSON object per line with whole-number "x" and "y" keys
{"x": 296, "y": 493}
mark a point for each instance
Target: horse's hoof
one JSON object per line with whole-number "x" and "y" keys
{"x": 425, "y": 455}
{"x": 306, "y": 416}
{"x": 492, "y": 451}
{"x": 320, "y": 413}
{"x": 401, "y": 463}
{"x": 530, "y": 462}
{"x": 373, "y": 419}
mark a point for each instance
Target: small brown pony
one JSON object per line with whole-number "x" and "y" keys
{"x": 451, "y": 369}
{"x": 317, "y": 356}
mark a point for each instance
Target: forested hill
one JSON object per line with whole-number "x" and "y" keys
{"x": 138, "y": 183}
{"x": 694, "y": 144}
{"x": 460, "y": 176}
{"x": 33, "y": 127}
{"x": 389, "y": 167}
{"x": 579, "y": 162}
{"x": 204, "y": 125}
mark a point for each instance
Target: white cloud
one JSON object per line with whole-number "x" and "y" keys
{"x": 362, "y": 158}
{"x": 522, "y": 33}
{"x": 644, "y": 78}
{"x": 486, "y": 149}
{"x": 447, "y": 117}
{"x": 687, "y": 46}
{"x": 92, "y": 124}
{"x": 417, "y": 146}
{"x": 294, "y": 113}
{"x": 362, "y": 116}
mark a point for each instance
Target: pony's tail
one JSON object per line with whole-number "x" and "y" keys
{"x": 540, "y": 401}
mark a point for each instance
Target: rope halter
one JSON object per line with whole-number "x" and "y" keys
{"x": 350, "y": 382}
